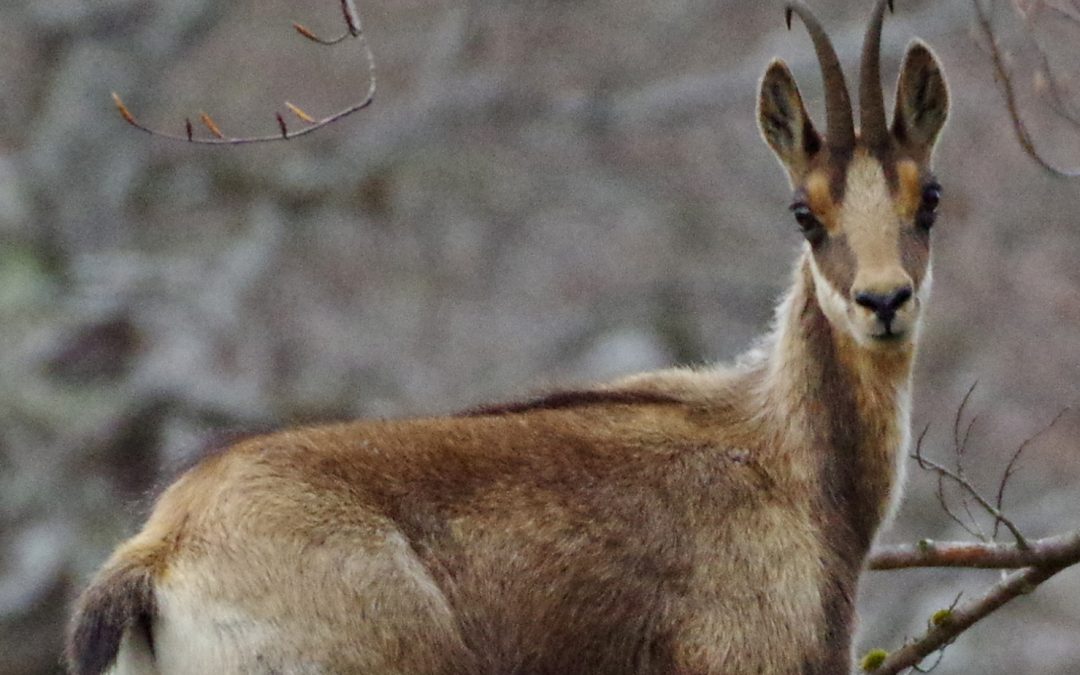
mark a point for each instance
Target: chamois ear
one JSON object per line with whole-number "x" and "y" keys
{"x": 783, "y": 120}
{"x": 922, "y": 101}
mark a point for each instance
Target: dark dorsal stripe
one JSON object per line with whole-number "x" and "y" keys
{"x": 563, "y": 400}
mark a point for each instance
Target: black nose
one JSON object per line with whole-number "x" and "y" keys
{"x": 884, "y": 306}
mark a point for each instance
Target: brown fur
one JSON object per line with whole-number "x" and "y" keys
{"x": 681, "y": 522}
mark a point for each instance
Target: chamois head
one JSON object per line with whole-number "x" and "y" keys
{"x": 865, "y": 202}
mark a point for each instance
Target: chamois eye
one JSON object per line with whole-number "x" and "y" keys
{"x": 931, "y": 197}
{"x": 808, "y": 223}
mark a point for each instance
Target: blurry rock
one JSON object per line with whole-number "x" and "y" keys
{"x": 100, "y": 350}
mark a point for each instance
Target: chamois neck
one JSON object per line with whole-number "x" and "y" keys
{"x": 808, "y": 358}
{"x": 842, "y": 411}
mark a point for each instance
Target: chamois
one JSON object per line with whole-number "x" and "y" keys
{"x": 690, "y": 521}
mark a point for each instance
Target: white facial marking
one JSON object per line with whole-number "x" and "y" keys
{"x": 836, "y": 307}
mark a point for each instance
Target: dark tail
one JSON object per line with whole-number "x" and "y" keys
{"x": 120, "y": 599}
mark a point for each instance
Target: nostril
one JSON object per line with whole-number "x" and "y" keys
{"x": 884, "y": 306}
{"x": 871, "y": 301}
{"x": 899, "y": 298}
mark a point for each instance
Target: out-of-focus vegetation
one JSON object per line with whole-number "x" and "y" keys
{"x": 545, "y": 192}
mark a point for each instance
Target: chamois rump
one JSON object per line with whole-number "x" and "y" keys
{"x": 686, "y": 521}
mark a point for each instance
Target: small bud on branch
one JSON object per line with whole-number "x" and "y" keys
{"x": 306, "y": 32}
{"x": 873, "y": 660}
{"x": 300, "y": 113}
{"x": 209, "y": 123}
{"x": 124, "y": 112}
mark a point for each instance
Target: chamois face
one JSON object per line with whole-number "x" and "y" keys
{"x": 865, "y": 206}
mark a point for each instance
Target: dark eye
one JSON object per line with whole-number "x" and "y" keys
{"x": 808, "y": 223}
{"x": 931, "y": 197}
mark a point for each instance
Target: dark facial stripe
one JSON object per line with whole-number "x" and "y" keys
{"x": 836, "y": 261}
{"x": 915, "y": 252}
{"x": 837, "y": 162}
{"x": 886, "y": 156}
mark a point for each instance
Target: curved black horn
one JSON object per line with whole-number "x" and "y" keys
{"x": 874, "y": 127}
{"x": 840, "y": 131}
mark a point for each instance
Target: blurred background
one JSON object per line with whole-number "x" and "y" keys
{"x": 545, "y": 192}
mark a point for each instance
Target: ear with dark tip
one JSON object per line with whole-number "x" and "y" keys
{"x": 783, "y": 120}
{"x": 922, "y": 102}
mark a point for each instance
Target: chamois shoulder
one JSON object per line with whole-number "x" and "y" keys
{"x": 709, "y": 385}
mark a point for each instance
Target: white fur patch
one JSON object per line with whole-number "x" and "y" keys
{"x": 903, "y": 426}
{"x": 135, "y": 657}
{"x": 832, "y": 303}
{"x": 196, "y": 635}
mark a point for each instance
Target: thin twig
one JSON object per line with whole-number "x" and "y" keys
{"x": 973, "y": 529}
{"x": 935, "y": 619}
{"x": 1072, "y": 15}
{"x": 1001, "y": 72}
{"x": 937, "y": 662}
{"x": 931, "y": 465}
{"x": 354, "y": 29}
{"x": 1053, "y": 86}
{"x": 960, "y": 412}
{"x": 1010, "y": 468}
{"x": 960, "y": 450}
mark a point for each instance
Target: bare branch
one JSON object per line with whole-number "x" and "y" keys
{"x": 1001, "y": 72}
{"x": 971, "y": 525}
{"x": 960, "y": 412}
{"x": 1035, "y": 561}
{"x": 1010, "y": 468}
{"x": 941, "y": 489}
{"x": 966, "y": 486}
{"x": 960, "y": 449}
{"x": 354, "y": 29}
{"x": 945, "y": 626}
{"x": 1046, "y": 80}
{"x": 1069, "y": 14}
{"x": 973, "y": 529}
{"x": 1062, "y": 549}
{"x": 958, "y": 478}
{"x": 934, "y": 665}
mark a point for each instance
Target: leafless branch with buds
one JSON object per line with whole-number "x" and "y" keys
{"x": 353, "y": 29}
{"x": 1034, "y": 560}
